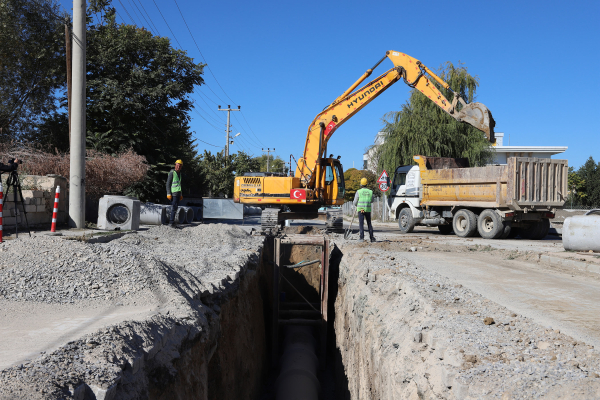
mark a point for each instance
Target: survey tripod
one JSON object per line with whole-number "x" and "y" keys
{"x": 13, "y": 181}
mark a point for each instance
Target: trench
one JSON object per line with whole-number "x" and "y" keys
{"x": 236, "y": 360}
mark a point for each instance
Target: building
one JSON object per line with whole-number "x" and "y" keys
{"x": 501, "y": 152}
{"x": 369, "y": 162}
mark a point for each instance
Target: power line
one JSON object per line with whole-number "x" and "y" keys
{"x": 198, "y": 47}
{"x": 152, "y": 22}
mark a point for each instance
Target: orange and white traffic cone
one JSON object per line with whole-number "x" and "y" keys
{"x": 55, "y": 211}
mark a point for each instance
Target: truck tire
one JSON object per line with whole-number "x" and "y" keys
{"x": 507, "y": 230}
{"x": 445, "y": 229}
{"x": 464, "y": 223}
{"x": 537, "y": 230}
{"x": 490, "y": 224}
{"x": 406, "y": 222}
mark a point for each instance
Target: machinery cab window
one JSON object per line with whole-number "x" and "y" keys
{"x": 340, "y": 181}
{"x": 329, "y": 175}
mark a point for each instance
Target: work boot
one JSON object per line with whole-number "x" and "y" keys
{"x": 171, "y": 225}
{"x": 373, "y": 240}
{"x": 361, "y": 239}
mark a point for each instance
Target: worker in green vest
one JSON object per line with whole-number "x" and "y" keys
{"x": 174, "y": 190}
{"x": 362, "y": 201}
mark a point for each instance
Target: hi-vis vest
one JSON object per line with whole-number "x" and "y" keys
{"x": 365, "y": 197}
{"x": 176, "y": 183}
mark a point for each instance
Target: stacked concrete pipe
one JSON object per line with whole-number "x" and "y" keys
{"x": 179, "y": 216}
{"x": 153, "y": 214}
{"x": 188, "y": 214}
{"x": 298, "y": 365}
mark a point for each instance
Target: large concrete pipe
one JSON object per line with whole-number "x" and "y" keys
{"x": 153, "y": 214}
{"x": 581, "y": 232}
{"x": 298, "y": 365}
{"x": 179, "y": 216}
{"x": 197, "y": 213}
{"x": 188, "y": 214}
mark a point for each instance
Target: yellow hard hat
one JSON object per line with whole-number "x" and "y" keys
{"x": 363, "y": 182}
{"x": 179, "y": 162}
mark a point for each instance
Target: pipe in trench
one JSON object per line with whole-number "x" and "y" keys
{"x": 298, "y": 365}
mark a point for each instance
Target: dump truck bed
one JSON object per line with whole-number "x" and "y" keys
{"x": 524, "y": 183}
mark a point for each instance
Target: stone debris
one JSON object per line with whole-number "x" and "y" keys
{"x": 183, "y": 271}
{"x": 420, "y": 335}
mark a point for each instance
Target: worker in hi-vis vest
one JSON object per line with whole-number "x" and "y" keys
{"x": 174, "y": 190}
{"x": 362, "y": 201}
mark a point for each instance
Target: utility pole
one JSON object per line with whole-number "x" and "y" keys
{"x": 228, "y": 127}
{"x": 69, "y": 76}
{"x": 77, "y": 164}
{"x": 268, "y": 150}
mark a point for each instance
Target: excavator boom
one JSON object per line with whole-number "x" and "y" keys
{"x": 415, "y": 75}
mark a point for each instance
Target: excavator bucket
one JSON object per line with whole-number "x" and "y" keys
{"x": 478, "y": 115}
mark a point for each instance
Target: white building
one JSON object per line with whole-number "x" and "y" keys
{"x": 501, "y": 152}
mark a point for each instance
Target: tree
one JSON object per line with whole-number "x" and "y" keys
{"x": 276, "y": 164}
{"x": 352, "y": 179}
{"x": 590, "y": 174}
{"x": 576, "y": 185}
{"x": 138, "y": 89}
{"x": 242, "y": 163}
{"x": 421, "y": 127}
{"x": 32, "y": 63}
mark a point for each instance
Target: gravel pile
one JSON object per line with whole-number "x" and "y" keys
{"x": 55, "y": 270}
{"x": 187, "y": 272}
{"x": 436, "y": 338}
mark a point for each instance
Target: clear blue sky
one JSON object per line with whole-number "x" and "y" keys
{"x": 282, "y": 62}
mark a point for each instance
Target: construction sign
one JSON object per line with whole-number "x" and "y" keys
{"x": 383, "y": 181}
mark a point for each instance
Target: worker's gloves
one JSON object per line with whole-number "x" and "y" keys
{"x": 180, "y": 198}
{"x": 169, "y": 197}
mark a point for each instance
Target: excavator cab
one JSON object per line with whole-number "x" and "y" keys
{"x": 332, "y": 188}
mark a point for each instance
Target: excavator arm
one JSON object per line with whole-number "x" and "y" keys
{"x": 415, "y": 75}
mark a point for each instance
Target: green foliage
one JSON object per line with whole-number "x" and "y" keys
{"x": 276, "y": 164}
{"x": 218, "y": 174}
{"x": 352, "y": 179}
{"x": 584, "y": 185}
{"x": 138, "y": 89}
{"x": 421, "y": 127}
{"x": 32, "y": 63}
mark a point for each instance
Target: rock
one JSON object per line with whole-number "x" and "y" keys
{"x": 543, "y": 345}
{"x": 488, "y": 321}
{"x": 413, "y": 249}
{"x": 471, "y": 358}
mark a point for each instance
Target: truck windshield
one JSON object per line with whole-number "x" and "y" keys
{"x": 400, "y": 179}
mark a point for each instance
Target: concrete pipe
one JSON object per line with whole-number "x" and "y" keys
{"x": 153, "y": 214}
{"x": 179, "y": 217}
{"x": 188, "y": 214}
{"x": 298, "y": 365}
{"x": 197, "y": 213}
{"x": 581, "y": 232}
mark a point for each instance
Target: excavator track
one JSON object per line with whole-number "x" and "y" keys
{"x": 269, "y": 221}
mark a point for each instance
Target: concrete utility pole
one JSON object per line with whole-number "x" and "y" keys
{"x": 228, "y": 127}
{"x": 77, "y": 167}
{"x": 268, "y": 150}
{"x": 69, "y": 76}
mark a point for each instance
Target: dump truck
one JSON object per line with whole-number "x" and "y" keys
{"x": 496, "y": 201}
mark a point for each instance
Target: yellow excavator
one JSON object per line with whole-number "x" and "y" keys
{"x": 319, "y": 180}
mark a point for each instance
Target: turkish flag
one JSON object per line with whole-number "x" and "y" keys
{"x": 298, "y": 194}
{"x": 329, "y": 128}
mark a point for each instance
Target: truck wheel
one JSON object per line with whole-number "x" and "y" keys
{"x": 537, "y": 230}
{"x": 489, "y": 224}
{"x": 445, "y": 229}
{"x": 406, "y": 222}
{"x": 507, "y": 230}
{"x": 514, "y": 232}
{"x": 464, "y": 223}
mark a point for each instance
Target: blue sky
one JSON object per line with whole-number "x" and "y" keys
{"x": 282, "y": 62}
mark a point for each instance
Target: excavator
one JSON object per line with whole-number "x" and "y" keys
{"x": 319, "y": 180}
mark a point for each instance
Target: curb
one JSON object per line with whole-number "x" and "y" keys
{"x": 561, "y": 262}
